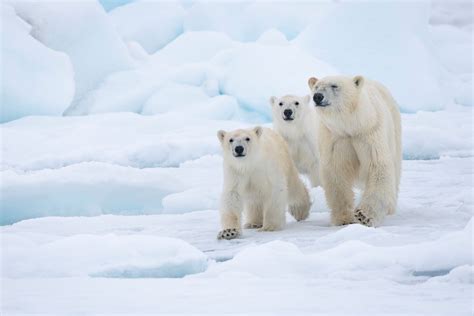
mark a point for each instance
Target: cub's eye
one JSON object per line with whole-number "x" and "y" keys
{"x": 247, "y": 139}
{"x": 231, "y": 140}
{"x": 281, "y": 103}
{"x": 334, "y": 86}
{"x": 297, "y": 103}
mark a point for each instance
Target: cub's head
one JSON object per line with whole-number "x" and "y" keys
{"x": 289, "y": 110}
{"x": 240, "y": 145}
{"x": 335, "y": 93}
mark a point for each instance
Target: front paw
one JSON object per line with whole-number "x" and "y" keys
{"x": 252, "y": 226}
{"x": 364, "y": 218}
{"x": 229, "y": 233}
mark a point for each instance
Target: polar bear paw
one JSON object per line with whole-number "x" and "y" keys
{"x": 299, "y": 212}
{"x": 252, "y": 226}
{"x": 229, "y": 233}
{"x": 364, "y": 218}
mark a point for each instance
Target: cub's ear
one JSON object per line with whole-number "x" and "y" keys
{"x": 258, "y": 130}
{"x": 358, "y": 81}
{"x": 221, "y": 135}
{"x": 312, "y": 82}
{"x": 307, "y": 99}
{"x": 272, "y": 100}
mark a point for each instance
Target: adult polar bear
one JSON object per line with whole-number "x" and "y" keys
{"x": 359, "y": 142}
{"x": 259, "y": 179}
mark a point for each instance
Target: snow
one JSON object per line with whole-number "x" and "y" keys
{"x": 112, "y": 256}
{"x": 152, "y": 24}
{"x": 113, "y": 209}
{"x": 28, "y": 65}
{"x": 94, "y": 48}
{"x": 381, "y": 47}
{"x": 249, "y": 19}
{"x": 418, "y": 262}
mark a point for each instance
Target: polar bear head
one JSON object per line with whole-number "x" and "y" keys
{"x": 241, "y": 145}
{"x": 289, "y": 110}
{"x": 336, "y": 93}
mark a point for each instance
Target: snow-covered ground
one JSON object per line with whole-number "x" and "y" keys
{"x": 110, "y": 169}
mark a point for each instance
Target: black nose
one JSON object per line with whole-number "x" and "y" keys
{"x": 239, "y": 149}
{"x": 288, "y": 112}
{"x": 318, "y": 98}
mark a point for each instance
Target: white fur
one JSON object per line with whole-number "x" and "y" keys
{"x": 300, "y": 133}
{"x": 262, "y": 184}
{"x": 359, "y": 144}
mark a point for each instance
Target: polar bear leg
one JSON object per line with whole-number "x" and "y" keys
{"x": 253, "y": 214}
{"x": 379, "y": 197}
{"x": 231, "y": 210}
{"x": 337, "y": 177}
{"x": 314, "y": 177}
{"x": 298, "y": 199}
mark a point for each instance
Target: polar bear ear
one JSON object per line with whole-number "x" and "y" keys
{"x": 272, "y": 100}
{"x": 307, "y": 99}
{"x": 258, "y": 130}
{"x": 359, "y": 81}
{"x": 312, "y": 82}
{"x": 221, "y": 135}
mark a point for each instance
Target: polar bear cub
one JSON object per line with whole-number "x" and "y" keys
{"x": 295, "y": 120}
{"x": 260, "y": 180}
{"x": 359, "y": 144}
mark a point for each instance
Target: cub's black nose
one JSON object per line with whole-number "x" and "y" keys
{"x": 318, "y": 98}
{"x": 239, "y": 149}
{"x": 288, "y": 112}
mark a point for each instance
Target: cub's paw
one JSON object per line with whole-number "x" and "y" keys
{"x": 299, "y": 212}
{"x": 229, "y": 233}
{"x": 252, "y": 226}
{"x": 364, "y": 218}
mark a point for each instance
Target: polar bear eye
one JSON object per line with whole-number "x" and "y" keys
{"x": 247, "y": 139}
{"x": 334, "y": 86}
{"x": 231, "y": 140}
{"x": 297, "y": 103}
{"x": 281, "y": 104}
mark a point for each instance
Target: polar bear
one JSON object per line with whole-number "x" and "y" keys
{"x": 261, "y": 180}
{"x": 359, "y": 141}
{"x": 295, "y": 120}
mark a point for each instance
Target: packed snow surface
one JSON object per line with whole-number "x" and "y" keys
{"x": 111, "y": 171}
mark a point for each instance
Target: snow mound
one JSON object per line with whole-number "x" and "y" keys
{"x": 94, "y": 47}
{"x": 152, "y": 24}
{"x": 346, "y": 259}
{"x": 422, "y": 138}
{"x": 184, "y": 50}
{"x": 113, "y": 256}
{"x": 249, "y": 19}
{"x": 274, "y": 70}
{"x": 380, "y": 47}
{"x": 173, "y": 97}
{"x": 35, "y": 79}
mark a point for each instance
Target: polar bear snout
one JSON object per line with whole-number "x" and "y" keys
{"x": 239, "y": 147}
{"x": 239, "y": 151}
{"x": 318, "y": 99}
{"x": 288, "y": 115}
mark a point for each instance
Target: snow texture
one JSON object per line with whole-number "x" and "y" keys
{"x": 111, "y": 171}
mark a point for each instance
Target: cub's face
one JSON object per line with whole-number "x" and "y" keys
{"x": 241, "y": 144}
{"x": 289, "y": 109}
{"x": 336, "y": 93}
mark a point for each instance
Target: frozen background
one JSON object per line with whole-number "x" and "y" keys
{"x": 111, "y": 168}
